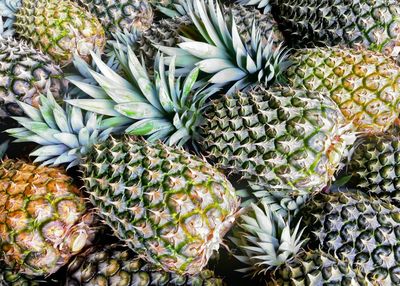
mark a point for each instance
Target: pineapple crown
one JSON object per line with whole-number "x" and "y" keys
{"x": 266, "y": 239}
{"x": 8, "y": 10}
{"x": 3, "y": 148}
{"x": 261, "y": 4}
{"x": 230, "y": 59}
{"x": 163, "y": 108}
{"x": 65, "y": 134}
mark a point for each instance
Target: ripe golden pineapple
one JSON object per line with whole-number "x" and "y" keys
{"x": 43, "y": 218}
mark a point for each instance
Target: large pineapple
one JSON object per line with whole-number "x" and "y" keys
{"x": 167, "y": 205}
{"x": 375, "y": 164}
{"x": 364, "y": 84}
{"x": 24, "y": 74}
{"x": 43, "y": 218}
{"x": 59, "y": 28}
{"x": 368, "y": 24}
{"x": 121, "y": 15}
{"x": 118, "y": 265}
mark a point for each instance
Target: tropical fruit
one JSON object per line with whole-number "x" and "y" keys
{"x": 358, "y": 229}
{"x": 367, "y": 24}
{"x": 169, "y": 206}
{"x": 24, "y": 74}
{"x": 121, "y": 15}
{"x": 375, "y": 164}
{"x": 43, "y": 218}
{"x": 118, "y": 265}
{"x": 364, "y": 84}
{"x": 58, "y": 28}
{"x": 281, "y": 138}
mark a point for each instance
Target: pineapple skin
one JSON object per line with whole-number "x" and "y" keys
{"x": 361, "y": 230}
{"x": 121, "y": 15}
{"x": 111, "y": 264}
{"x": 364, "y": 84}
{"x": 375, "y": 164}
{"x": 168, "y": 206}
{"x": 43, "y": 218}
{"x": 281, "y": 138}
{"x": 373, "y": 25}
{"x": 25, "y": 73}
{"x": 60, "y": 29}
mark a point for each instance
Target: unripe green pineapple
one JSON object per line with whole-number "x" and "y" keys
{"x": 375, "y": 164}
{"x": 281, "y": 138}
{"x": 367, "y": 24}
{"x": 118, "y": 265}
{"x": 357, "y": 229}
{"x": 364, "y": 84}
{"x": 24, "y": 74}
{"x": 43, "y": 218}
{"x": 121, "y": 15}
{"x": 58, "y": 28}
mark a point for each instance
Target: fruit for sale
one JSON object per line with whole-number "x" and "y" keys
{"x": 110, "y": 264}
{"x": 167, "y": 205}
{"x": 43, "y": 218}
{"x": 364, "y": 84}
{"x": 121, "y": 15}
{"x": 24, "y": 74}
{"x": 58, "y": 28}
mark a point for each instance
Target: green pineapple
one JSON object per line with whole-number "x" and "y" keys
{"x": 24, "y": 74}
{"x": 240, "y": 133}
{"x": 364, "y": 84}
{"x": 368, "y": 24}
{"x": 168, "y": 206}
{"x": 375, "y": 164}
{"x": 111, "y": 264}
{"x": 58, "y": 28}
{"x": 121, "y": 15}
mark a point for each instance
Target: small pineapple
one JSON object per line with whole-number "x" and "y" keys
{"x": 58, "y": 28}
{"x": 364, "y": 84}
{"x": 24, "y": 74}
{"x": 167, "y": 205}
{"x": 43, "y": 218}
{"x": 121, "y": 15}
{"x": 111, "y": 264}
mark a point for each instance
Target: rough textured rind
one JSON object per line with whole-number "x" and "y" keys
{"x": 59, "y": 28}
{"x": 106, "y": 265}
{"x": 283, "y": 139}
{"x": 364, "y": 84}
{"x": 43, "y": 219}
{"x": 165, "y": 204}
{"x": 24, "y": 74}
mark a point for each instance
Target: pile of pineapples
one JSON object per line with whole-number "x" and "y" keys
{"x": 151, "y": 142}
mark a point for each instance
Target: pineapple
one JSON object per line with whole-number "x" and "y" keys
{"x": 364, "y": 84}
{"x": 118, "y": 265}
{"x": 58, "y": 28}
{"x": 283, "y": 139}
{"x": 24, "y": 74}
{"x": 121, "y": 15}
{"x": 375, "y": 165}
{"x": 367, "y": 24}
{"x": 168, "y": 206}
{"x": 43, "y": 218}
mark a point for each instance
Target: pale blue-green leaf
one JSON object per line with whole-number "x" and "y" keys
{"x": 92, "y": 121}
{"x": 51, "y": 150}
{"x": 76, "y": 119}
{"x": 91, "y": 90}
{"x": 30, "y": 111}
{"x": 188, "y": 84}
{"x": 138, "y": 110}
{"x": 61, "y": 119}
{"x": 203, "y": 50}
{"x": 164, "y": 97}
{"x": 148, "y": 89}
{"x": 214, "y": 65}
{"x": 177, "y": 136}
{"x": 64, "y": 158}
{"x": 113, "y": 122}
{"x": 68, "y": 139}
{"x": 171, "y": 79}
{"x": 147, "y": 126}
{"x": 227, "y": 75}
{"x": 83, "y": 137}
{"x": 99, "y": 106}
{"x": 161, "y": 135}
{"x": 172, "y": 51}
{"x": 251, "y": 66}
{"x": 208, "y": 25}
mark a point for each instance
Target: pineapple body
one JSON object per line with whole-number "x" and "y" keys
{"x": 24, "y": 74}
{"x": 283, "y": 139}
{"x": 118, "y": 265}
{"x": 168, "y": 206}
{"x": 375, "y": 164}
{"x": 367, "y": 24}
{"x": 59, "y": 28}
{"x": 43, "y": 219}
{"x": 358, "y": 229}
{"x": 121, "y": 15}
{"x": 364, "y": 84}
